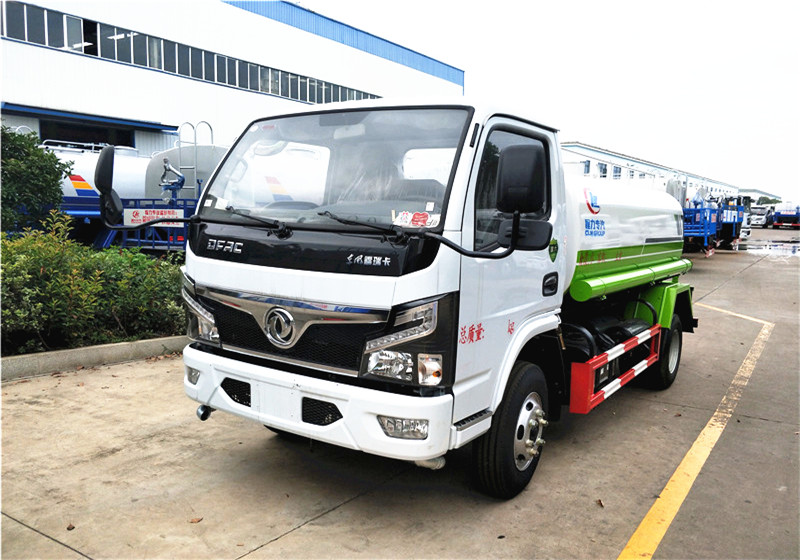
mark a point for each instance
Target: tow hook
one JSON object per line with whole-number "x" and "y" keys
{"x": 204, "y": 411}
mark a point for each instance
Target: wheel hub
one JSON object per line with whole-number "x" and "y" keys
{"x": 528, "y": 436}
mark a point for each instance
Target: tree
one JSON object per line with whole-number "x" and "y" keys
{"x": 768, "y": 200}
{"x": 31, "y": 180}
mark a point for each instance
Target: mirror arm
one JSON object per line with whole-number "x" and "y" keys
{"x": 480, "y": 254}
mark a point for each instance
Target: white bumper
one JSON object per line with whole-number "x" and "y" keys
{"x": 276, "y": 400}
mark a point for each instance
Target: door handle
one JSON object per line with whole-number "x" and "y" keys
{"x": 550, "y": 284}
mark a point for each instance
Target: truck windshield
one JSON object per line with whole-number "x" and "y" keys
{"x": 383, "y": 166}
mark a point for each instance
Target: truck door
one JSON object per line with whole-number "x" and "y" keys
{"x": 499, "y": 296}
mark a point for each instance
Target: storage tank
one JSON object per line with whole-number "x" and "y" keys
{"x": 129, "y": 171}
{"x": 620, "y": 237}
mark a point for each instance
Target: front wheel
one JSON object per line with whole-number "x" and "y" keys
{"x": 505, "y": 457}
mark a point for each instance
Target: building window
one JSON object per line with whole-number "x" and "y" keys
{"x": 154, "y": 57}
{"x": 15, "y": 20}
{"x": 183, "y": 60}
{"x": 124, "y": 40}
{"x": 587, "y": 167}
{"x": 275, "y": 81}
{"x": 208, "y": 66}
{"x": 312, "y": 90}
{"x": 231, "y": 71}
{"x": 108, "y": 46}
{"x": 90, "y": 37}
{"x": 170, "y": 59}
{"x": 252, "y": 71}
{"x": 139, "y": 49}
{"x": 263, "y": 79}
{"x": 35, "y": 25}
{"x": 74, "y": 34}
{"x": 602, "y": 168}
{"x": 631, "y": 173}
{"x": 243, "y": 77}
{"x": 617, "y": 172}
{"x": 55, "y": 29}
{"x": 303, "y": 88}
{"x": 222, "y": 69}
{"x": 196, "y": 56}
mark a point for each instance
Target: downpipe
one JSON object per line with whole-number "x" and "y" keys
{"x": 204, "y": 411}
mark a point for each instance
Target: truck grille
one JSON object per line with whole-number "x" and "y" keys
{"x": 336, "y": 345}
{"x": 320, "y": 413}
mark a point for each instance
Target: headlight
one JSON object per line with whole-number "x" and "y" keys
{"x": 425, "y": 318}
{"x": 202, "y": 325}
{"x": 418, "y": 347}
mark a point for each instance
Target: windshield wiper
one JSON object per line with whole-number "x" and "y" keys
{"x": 400, "y": 235}
{"x": 282, "y": 231}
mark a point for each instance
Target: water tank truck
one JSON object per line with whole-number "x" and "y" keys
{"x": 142, "y": 185}
{"x": 786, "y": 214}
{"x": 407, "y": 279}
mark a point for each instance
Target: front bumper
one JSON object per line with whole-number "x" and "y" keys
{"x": 276, "y": 399}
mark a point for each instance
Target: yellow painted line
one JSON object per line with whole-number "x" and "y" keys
{"x": 654, "y": 526}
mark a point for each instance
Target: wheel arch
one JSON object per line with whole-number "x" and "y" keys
{"x": 536, "y": 342}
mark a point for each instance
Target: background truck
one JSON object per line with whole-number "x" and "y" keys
{"x": 786, "y": 214}
{"x": 409, "y": 279}
{"x": 761, "y": 215}
{"x": 164, "y": 183}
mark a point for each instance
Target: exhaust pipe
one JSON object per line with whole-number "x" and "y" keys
{"x": 204, "y": 411}
{"x": 433, "y": 464}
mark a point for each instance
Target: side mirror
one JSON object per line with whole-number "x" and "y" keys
{"x": 110, "y": 203}
{"x": 104, "y": 172}
{"x": 522, "y": 178}
{"x": 532, "y": 235}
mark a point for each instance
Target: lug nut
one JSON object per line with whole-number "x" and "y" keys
{"x": 543, "y": 423}
{"x": 539, "y": 442}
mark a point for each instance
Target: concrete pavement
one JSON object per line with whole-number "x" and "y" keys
{"x": 111, "y": 462}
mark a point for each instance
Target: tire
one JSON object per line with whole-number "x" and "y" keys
{"x": 662, "y": 374}
{"x": 505, "y": 457}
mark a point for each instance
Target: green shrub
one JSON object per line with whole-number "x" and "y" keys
{"x": 57, "y": 293}
{"x": 31, "y": 179}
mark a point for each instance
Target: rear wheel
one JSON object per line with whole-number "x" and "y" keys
{"x": 662, "y": 373}
{"x": 506, "y": 456}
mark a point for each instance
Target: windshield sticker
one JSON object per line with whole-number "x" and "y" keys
{"x": 430, "y": 206}
{"x": 417, "y": 219}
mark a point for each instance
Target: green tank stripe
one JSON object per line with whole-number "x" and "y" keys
{"x": 601, "y": 262}
{"x": 603, "y": 271}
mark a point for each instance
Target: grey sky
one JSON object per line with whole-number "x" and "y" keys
{"x": 709, "y": 87}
